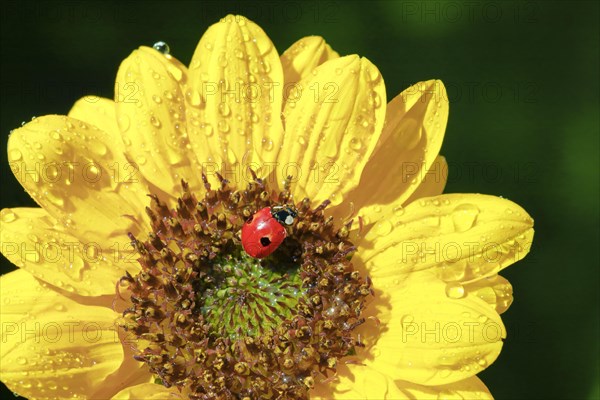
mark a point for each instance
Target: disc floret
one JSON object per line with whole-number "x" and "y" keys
{"x": 217, "y": 323}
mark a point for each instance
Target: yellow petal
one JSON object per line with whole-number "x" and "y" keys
{"x": 495, "y": 290}
{"x": 29, "y": 239}
{"x": 434, "y": 181}
{"x": 98, "y": 111}
{"x": 130, "y": 374}
{"x": 236, "y": 84}
{"x": 52, "y": 346}
{"x": 461, "y": 237}
{"x": 367, "y": 384}
{"x": 429, "y": 336}
{"x": 147, "y": 391}
{"x": 411, "y": 140}
{"x": 302, "y": 57}
{"x": 468, "y": 389}
{"x": 332, "y": 128}
{"x": 152, "y": 118}
{"x": 79, "y": 175}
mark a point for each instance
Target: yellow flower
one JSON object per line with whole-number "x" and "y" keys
{"x": 413, "y": 314}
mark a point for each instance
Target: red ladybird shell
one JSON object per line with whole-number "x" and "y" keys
{"x": 262, "y": 234}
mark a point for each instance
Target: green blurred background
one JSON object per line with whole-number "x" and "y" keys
{"x": 524, "y": 124}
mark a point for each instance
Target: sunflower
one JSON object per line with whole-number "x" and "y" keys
{"x": 133, "y": 279}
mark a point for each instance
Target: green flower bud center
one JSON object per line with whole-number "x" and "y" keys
{"x": 245, "y": 296}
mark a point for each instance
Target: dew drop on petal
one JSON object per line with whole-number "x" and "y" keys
{"x": 161, "y": 47}
{"x": 224, "y": 109}
{"x": 355, "y": 144}
{"x": 15, "y": 155}
{"x": 59, "y": 307}
{"x": 207, "y": 128}
{"x": 455, "y": 290}
{"x": 267, "y": 144}
{"x": 464, "y": 217}
{"x": 175, "y": 72}
{"x": 8, "y": 216}
{"x": 398, "y": 211}
{"x": 155, "y": 121}
{"x": 55, "y": 135}
{"x": 223, "y": 126}
{"x": 384, "y": 228}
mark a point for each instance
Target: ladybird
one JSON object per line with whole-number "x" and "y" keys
{"x": 265, "y": 231}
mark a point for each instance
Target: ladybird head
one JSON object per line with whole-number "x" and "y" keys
{"x": 285, "y": 215}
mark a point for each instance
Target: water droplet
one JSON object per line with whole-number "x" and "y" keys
{"x": 59, "y": 307}
{"x": 231, "y": 157}
{"x": 383, "y": 228}
{"x": 156, "y": 99}
{"x": 224, "y": 109}
{"x": 161, "y": 47}
{"x": 141, "y": 160}
{"x": 123, "y": 122}
{"x": 464, "y": 217}
{"x": 155, "y": 121}
{"x": 355, "y": 143}
{"x": 8, "y": 216}
{"x": 57, "y": 200}
{"x": 207, "y": 128}
{"x": 267, "y": 144}
{"x": 21, "y": 360}
{"x": 99, "y": 148}
{"x": 175, "y": 72}
{"x": 194, "y": 97}
{"x": 223, "y": 126}
{"x": 398, "y": 211}
{"x": 375, "y": 99}
{"x": 55, "y": 135}
{"x": 15, "y": 155}
{"x": 455, "y": 290}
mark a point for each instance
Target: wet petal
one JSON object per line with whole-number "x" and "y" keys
{"x": 235, "y": 93}
{"x": 411, "y": 140}
{"x": 460, "y": 237}
{"x": 98, "y": 111}
{"x": 52, "y": 346}
{"x": 495, "y": 290}
{"x": 433, "y": 183}
{"x": 30, "y": 240}
{"x": 151, "y": 115}
{"x": 147, "y": 391}
{"x": 468, "y": 389}
{"x": 332, "y": 128}
{"x": 433, "y": 337}
{"x": 79, "y": 175}
{"x": 367, "y": 384}
{"x": 302, "y": 57}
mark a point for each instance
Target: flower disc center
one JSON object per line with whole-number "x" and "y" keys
{"x": 243, "y": 296}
